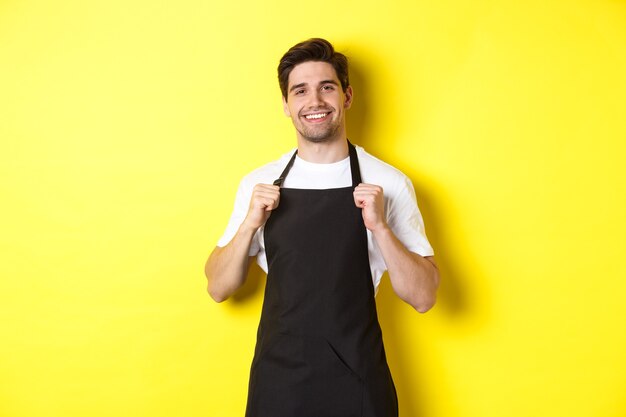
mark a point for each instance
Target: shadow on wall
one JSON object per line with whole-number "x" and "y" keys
{"x": 451, "y": 296}
{"x": 451, "y": 293}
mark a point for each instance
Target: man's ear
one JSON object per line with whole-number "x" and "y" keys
{"x": 348, "y": 97}
{"x": 286, "y": 107}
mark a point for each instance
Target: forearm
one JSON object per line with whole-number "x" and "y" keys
{"x": 414, "y": 278}
{"x": 227, "y": 267}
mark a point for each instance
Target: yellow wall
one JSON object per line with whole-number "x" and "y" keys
{"x": 125, "y": 127}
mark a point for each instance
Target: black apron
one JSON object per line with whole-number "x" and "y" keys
{"x": 319, "y": 350}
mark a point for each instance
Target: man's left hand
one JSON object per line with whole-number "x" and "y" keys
{"x": 369, "y": 197}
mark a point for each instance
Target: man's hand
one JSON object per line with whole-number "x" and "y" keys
{"x": 414, "y": 278}
{"x": 227, "y": 267}
{"x": 370, "y": 198}
{"x": 264, "y": 199}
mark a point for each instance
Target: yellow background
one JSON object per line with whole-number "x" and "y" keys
{"x": 125, "y": 127}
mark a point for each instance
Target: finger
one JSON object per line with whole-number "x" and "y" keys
{"x": 269, "y": 201}
{"x": 365, "y": 196}
{"x": 261, "y": 203}
{"x": 360, "y": 202}
{"x": 272, "y": 196}
{"x": 373, "y": 194}
{"x": 265, "y": 188}
{"x": 368, "y": 188}
{"x": 363, "y": 186}
{"x": 275, "y": 202}
{"x": 266, "y": 192}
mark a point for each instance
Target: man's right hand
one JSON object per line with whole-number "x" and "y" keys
{"x": 264, "y": 199}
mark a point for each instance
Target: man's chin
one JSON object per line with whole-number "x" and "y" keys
{"x": 318, "y": 137}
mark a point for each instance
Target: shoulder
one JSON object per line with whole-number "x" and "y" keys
{"x": 378, "y": 172}
{"x": 267, "y": 173}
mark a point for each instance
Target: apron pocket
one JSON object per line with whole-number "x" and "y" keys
{"x": 340, "y": 359}
{"x": 335, "y": 390}
{"x": 305, "y": 377}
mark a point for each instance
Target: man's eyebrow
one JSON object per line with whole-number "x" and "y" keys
{"x": 295, "y": 87}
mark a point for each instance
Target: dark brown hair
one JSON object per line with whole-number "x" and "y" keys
{"x": 314, "y": 49}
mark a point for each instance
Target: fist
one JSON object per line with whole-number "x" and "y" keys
{"x": 370, "y": 199}
{"x": 264, "y": 199}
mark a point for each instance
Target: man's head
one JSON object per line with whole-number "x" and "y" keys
{"x": 314, "y": 49}
{"x": 316, "y": 91}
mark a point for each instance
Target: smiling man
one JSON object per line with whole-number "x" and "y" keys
{"x": 325, "y": 222}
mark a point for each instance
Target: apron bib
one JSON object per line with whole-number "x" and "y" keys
{"x": 319, "y": 350}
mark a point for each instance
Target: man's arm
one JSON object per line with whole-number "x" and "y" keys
{"x": 414, "y": 278}
{"x": 227, "y": 267}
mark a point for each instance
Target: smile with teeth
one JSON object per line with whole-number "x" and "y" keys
{"x": 315, "y": 116}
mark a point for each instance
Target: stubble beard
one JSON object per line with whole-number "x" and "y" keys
{"x": 319, "y": 134}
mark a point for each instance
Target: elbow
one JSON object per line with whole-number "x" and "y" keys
{"x": 422, "y": 306}
{"x": 421, "y": 299}
{"x": 216, "y": 296}
{"x": 421, "y": 302}
{"x": 428, "y": 298}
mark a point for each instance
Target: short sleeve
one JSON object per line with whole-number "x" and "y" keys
{"x": 240, "y": 210}
{"x": 405, "y": 220}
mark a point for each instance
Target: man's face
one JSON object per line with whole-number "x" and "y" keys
{"x": 315, "y": 101}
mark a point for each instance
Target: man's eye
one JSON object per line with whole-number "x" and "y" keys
{"x": 298, "y": 92}
{"x": 328, "y": 87}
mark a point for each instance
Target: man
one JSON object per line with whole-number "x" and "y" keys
{"x": 324, "y": 222}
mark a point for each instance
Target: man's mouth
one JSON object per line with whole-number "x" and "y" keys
{"x": 313, "y": 117}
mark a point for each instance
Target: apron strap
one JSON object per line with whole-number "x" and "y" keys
{"x": 279, "y": 181}
{"x": 354, "y": 167}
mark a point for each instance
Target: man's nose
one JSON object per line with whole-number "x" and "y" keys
{"x": 316, "y": 99}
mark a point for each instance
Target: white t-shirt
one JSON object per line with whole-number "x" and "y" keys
{"x": 401, "y": 211}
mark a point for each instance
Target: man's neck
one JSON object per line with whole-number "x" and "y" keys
{"x": 326, "y": 152}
